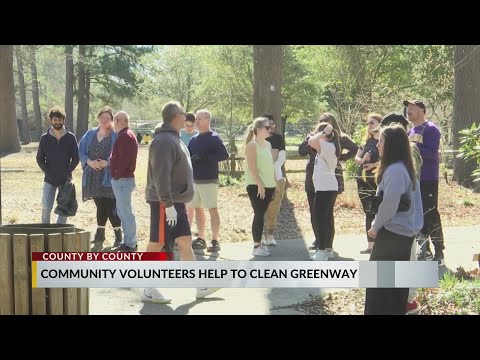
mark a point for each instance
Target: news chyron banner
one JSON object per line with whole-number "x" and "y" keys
{"x": 137, "y": 270}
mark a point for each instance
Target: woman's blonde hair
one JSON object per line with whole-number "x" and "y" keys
{"x": 376, "y": 117}
{"x": 258, "y": 123}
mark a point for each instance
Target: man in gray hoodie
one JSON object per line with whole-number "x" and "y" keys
{"x": 169, "y": 187}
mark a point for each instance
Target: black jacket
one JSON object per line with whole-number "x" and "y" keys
{"x": 67, "y": 204}
{"x": 57, "y": 158}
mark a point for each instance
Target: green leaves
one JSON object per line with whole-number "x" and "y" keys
{"x": 470, "y": 148}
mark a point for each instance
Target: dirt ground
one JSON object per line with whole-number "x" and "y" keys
{"x": 22, "y": 184}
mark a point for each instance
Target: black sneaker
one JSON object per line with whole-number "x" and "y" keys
{"x": 439, "y": 258}
{"x": 126, "y": 248}
{"x": 118, "y": 238}
{"x": 199, "y": 244}
{"x": 214, "y": 246}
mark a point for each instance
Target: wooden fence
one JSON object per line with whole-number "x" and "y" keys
{"x": 235, "y": 165}
{"x": 17, "y": 297}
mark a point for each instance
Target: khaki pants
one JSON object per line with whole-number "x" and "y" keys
{"x": 274, "y": 206}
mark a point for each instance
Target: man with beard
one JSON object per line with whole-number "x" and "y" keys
{"x": 57, "y": 156}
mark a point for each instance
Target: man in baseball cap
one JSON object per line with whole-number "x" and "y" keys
{"x": 426, "y": 135}
{"x": 418, "y": 103}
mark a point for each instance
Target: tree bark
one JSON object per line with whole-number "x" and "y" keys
{"x": 466, "y": 106}
{"x": 9, "y": 140}
{"x": 267, "y": 75}
{"x": 82, "y": 116}
{"x": 36, "y": 95}
{"x": 69, "y": 87}
{"x": 25, "y": 128}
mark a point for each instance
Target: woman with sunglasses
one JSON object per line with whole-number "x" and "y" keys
{"x": 259, "y": 178}
{"x": 367, "y": 158}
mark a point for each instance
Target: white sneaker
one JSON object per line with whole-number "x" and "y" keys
{"x": 260, "y": 251}
{"x": 202, "y": 292}
{"x": 154, "y": 296}
{"x": 320, "y": 255}
{"x": 330, "y": 253}
{"x": 269, "y": 241}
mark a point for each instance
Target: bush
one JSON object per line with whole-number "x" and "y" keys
{"x": 350, "y": 169}
{"x": 225, "y": 180}
{"x": 470, "y": 148}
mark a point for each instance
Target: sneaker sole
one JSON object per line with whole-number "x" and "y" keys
{"x": 213, "y": 250}
{"x": 262, "y": 255}
{"x": 413, "y": 312}
{"x": 166, "y": 301}
{"x": 204, "y": 296}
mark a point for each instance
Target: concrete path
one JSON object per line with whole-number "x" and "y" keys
{"x": 461, "y": 244}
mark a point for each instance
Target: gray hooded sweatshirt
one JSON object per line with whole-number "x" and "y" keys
{"x": 169, "y": 175}
{"x": 395, "y": 182}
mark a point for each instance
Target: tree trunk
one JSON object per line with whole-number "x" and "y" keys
{"x": 88, "y": 78}
{"x": 466, "y": 107}
{"x": 82, "y": 116}
{"x": 267, "y": 75}
{"x": 69, "y": 87}
{"x": 36, "y": 95}
{"x": 25, "y": 128}
{"x": 9, "y": 141}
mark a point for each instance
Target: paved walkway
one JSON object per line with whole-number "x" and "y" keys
{"x": 461, "y": 244}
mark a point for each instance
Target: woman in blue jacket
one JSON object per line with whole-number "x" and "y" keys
{"x": 94, "y": 150}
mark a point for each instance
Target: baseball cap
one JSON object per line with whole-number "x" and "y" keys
{"x": 394, "y": 118}
{"x": 418, "y": 103}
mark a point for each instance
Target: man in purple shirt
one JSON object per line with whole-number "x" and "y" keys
{"x": 123, "y": 161}
{"x": 426, "y": 135}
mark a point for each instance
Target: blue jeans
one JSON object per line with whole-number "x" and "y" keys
{"x": 47, "y": 204}
{"x": 123, "y": 188}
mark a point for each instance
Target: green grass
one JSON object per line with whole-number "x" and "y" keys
{"x": 456, "y": 295}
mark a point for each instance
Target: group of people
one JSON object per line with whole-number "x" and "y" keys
{"x": 397, "y": 179}
{"x": 108, "y": 155}
{"x": 397, "y": 183}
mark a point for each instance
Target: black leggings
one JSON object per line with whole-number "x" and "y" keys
{"x": 432, "y": 225}
{"x": 107, "y": 209}
{"x": 323, "y": 221}
{"x": 259, "y": 209}
{"x": 366, "y": 192}
{"x": 385, "y": 301}
{"x": 311, "y": 201}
